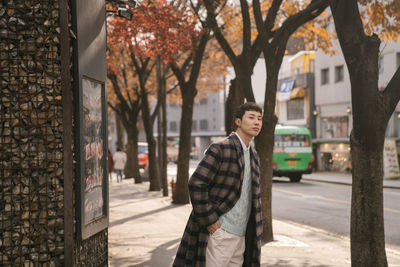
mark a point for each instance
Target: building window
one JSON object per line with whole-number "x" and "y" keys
{"x": 203, "y": 125}
{"x": 380, "y": 64}
{"x": 295, "y": 109}
{"x": 324, "y": 76}
{"x": 334, "y": 127}
{"x": 203, "y": 101}
{"x": 194, "y": 126}
{"x": 397, "y": 60}
{"x": 173, "y": 126}
{"x": 339, "y": 73}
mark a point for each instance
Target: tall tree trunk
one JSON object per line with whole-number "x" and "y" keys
{"x": 164, "y": 144}
{"x": 120, "y": 129}
{"x": 239, "y": 90}
{"x": 243, "y": 74}
{"x": 161, "y": 124}
{"x": 188, "y": 92}
{"x": 367, "y": 221}
{"x": 234, "y": 100}
{"x": 132, "y": 166}
{"x": 371, "y": 112}
{"x": 367, "y": 224}
{"x": 159, "y": 147}
{"x": 265, "y": 147}
{"x": 181, "y": 195}
{"x": 153, "y": 162}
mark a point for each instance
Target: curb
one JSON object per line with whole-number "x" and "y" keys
{"x": 344, "y": 183}
{"x": 325, "y": 181}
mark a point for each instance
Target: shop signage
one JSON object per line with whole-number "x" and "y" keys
{"x": 285, "y": 89}
{"x": 390, "y": 159}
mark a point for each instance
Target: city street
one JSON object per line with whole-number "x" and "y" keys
{"x": 310, "y": 225}
{"x": 327, "y": 206}
{"x": 322, "y": 205}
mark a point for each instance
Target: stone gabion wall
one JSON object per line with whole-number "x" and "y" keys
{"x": 93, "y": 252}
{"x": 31, "y": 139}
{"x": 31, "y": 191}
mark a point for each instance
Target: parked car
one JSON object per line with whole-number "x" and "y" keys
{"x": 143, "y": 155}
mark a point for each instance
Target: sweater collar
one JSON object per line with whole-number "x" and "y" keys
{"x": 245, "y": 148}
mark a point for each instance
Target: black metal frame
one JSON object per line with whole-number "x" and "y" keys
{"x": 84, "y": 231}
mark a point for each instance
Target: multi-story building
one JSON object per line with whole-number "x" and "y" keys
{"x": 208, "y": 120}
{"x": 333, "y": 110}
{"x": 295, "y": 94}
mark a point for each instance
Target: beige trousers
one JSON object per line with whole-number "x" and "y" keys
{"x": 225, "y": 249}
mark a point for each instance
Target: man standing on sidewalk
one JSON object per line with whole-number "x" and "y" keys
{"x": 119, "y": 163}
{"x": 225, "y": 226}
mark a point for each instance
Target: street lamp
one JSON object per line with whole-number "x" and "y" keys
{"x": 123, "y": 12}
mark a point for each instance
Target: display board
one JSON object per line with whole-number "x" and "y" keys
{"x": 92, "y": 200}
{"x": 93, "y": 141}
{"x": 390, "y": 159}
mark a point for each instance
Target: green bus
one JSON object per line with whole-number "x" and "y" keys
{"x": 292, "y": 152}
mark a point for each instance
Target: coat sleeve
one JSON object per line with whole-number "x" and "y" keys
{"x": 207, "y": 169}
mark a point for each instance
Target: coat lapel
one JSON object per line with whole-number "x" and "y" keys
{"x": 239, "y": 151}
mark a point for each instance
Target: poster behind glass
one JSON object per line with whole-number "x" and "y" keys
{"x": 92, "y": 134}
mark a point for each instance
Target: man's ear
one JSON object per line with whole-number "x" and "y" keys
{"x": 237, "y": 121}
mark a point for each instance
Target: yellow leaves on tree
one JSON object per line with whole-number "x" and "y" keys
{"x": 382, "y": 18}
{"x": 315, "y": 34}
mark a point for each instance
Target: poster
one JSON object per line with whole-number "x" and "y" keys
{"x": 390, "y": 159}
{"x": 92, "y": 135}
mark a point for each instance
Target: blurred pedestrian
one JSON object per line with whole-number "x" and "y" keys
{"x": 110, "y": 165}
{"x": 119, "y": 164}
{"x": 225, "y": 226}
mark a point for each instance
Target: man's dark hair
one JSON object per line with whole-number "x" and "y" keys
{"x": 242, "y": 110}
{"x": 118, "y": 149}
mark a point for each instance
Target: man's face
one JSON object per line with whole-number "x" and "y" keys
{"x": 251, "y": 123}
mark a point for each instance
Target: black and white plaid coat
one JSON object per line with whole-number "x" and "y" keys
{"x": 214, "y": 188}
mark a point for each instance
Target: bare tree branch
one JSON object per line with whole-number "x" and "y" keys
{"x": 291, "y": 24}
{"x": 392, "y": 91}
{"x": 246, "y": 27}
{"x": 342, "y": 12}
{"x": 259, "y": 21}
{"x": 268, "y": 25}
{"x": 172, "y": 88}
{"x": 117, "y": 90}
{"x": 194, "y": 74}
{"x": 212, "y": 22}
{"x": 178, "y": 74}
